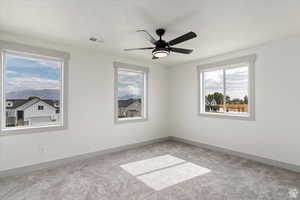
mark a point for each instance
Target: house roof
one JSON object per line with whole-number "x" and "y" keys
{"x": 19, "y": 102}
{"x": 127, "y": 102}
{"x": 16, "y": 103}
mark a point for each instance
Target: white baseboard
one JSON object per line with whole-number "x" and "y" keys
{"x": 267, "y": 161}
{"x": 59, "y": 162}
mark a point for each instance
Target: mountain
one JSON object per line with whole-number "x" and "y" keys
{"x": 128, "y": 96}
{"x": 43, "y": 94}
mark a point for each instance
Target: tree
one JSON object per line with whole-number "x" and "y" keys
{"x": 237, "y": 101}
{"x": 210, "y": 97}
{"x": 245, "y": 99}
{"x": 227, "y": 99}
{"x": 219, "y": 98}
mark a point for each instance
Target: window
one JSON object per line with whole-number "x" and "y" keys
{"x": 32, "y": 83}
{"x": 130, "y": 92}
{"x": 226, "y": 88}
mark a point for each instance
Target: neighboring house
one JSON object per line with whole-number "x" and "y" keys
{"x": 207, "y": 102}
{"x": 212, "y": 106}
{"x": 129, "y": 108}
{"x": 213, "y": 103}
{"x": 31, "y": 111}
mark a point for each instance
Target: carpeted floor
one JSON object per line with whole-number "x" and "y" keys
{"x": 167, "y": 170}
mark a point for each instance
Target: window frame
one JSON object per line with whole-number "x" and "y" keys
{"x": 224, "y": 65}
{"x": 7, "y": 47}
{"x": 132, "y": 68}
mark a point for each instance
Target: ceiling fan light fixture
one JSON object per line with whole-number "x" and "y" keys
{"x": 160, "y": 53}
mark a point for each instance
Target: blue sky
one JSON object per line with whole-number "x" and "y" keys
{"x": 24, "y": 73}
{"x": 130, "y": 84}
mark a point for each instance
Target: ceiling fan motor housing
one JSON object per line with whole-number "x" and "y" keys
{"x": 161, "y": 49}
{"x": 161, "y": 44}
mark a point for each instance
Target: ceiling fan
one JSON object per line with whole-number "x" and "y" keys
{"x": 163, "y": 48}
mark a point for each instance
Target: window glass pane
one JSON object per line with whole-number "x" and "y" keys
{"x": 32, "y": 89}
{"x": 130, "y": 94}
{"x": 237, "y": 90}
{"x": 214, "y": 91}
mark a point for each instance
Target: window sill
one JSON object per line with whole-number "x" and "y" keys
{"x": 228, "y": 116}
{"x": 29, "y": 130}
{"x": 128, "y": 120}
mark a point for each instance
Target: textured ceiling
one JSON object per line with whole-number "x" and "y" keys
{"x": 221, "y": 25}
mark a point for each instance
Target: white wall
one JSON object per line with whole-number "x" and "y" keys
{"x": 91, "y": 109}
{"x": 275, "y": 134}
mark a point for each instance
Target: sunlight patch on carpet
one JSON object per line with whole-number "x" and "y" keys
{"x": 164, "y": 171}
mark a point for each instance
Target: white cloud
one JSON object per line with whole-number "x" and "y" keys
{"x": 130, "y": 90}
{"x": 130, "y": 84}
{"x": 236, "y": 82}
{"x": 10, "y": 72}
{"x": 50, "y": 64}
{"x": 29, "y": 62}
{"x": 129, "y": 78}
{"x": 213, "y": 81}
{"x": 35, "y": 83}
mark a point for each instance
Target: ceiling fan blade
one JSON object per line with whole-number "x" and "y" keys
{"x": 154, "y": 57}
{"x": 180, "y": 50}
{"x": 145, "y": 48}
{"x": 182, "y": 38}
{"x": 149, "y": 37}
